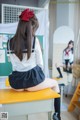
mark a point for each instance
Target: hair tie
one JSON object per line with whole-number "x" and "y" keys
{"x": 26, "y": 15}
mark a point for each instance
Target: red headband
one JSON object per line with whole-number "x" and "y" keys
{"x": 26, "y": 15}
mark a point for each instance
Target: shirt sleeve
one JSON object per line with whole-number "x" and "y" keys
{"x": 38, "y": 52}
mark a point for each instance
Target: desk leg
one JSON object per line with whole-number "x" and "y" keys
{"x": 61, "y": 95}
{"x": 49, "y": 115}
{"x": 26, "y": 117}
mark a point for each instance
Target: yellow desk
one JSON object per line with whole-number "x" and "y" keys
{"x": 20, "y": 104}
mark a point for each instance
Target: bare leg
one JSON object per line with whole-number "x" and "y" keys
{"x": 71, "y": 66}
{"x": 47, "y": 83}
{"x": 19, "y": 90}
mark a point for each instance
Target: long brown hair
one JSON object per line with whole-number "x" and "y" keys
{"x": 23, "y": 37}
{"x": 70, "y": 42}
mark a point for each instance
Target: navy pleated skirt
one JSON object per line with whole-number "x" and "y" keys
{"x": 67, "y": 69}
{"x": 22, "y": 80}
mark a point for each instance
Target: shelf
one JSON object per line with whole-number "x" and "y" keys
{"x": 75, "y": 101}
{"x": 77, "y": 104}
{"x": 78, "y": 93}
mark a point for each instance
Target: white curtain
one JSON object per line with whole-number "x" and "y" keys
{"x": 44, "y": 30}
{"x": 77, "y": 37}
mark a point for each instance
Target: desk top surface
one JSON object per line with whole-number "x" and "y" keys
{"x": 10, "y": 96}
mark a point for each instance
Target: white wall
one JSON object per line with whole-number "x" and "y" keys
{"x": 71, "y": 15}
{"x": 37, "y": 3}
{"x": 21, "y": 2}
{"x": 62, "y": 14}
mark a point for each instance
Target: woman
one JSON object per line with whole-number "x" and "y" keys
{"x": 26, "y": 58}
{"x": 67, "y": 59}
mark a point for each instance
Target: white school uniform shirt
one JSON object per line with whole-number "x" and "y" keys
{"x": 68, "y": 56}
{"x": 27, "y": 64}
